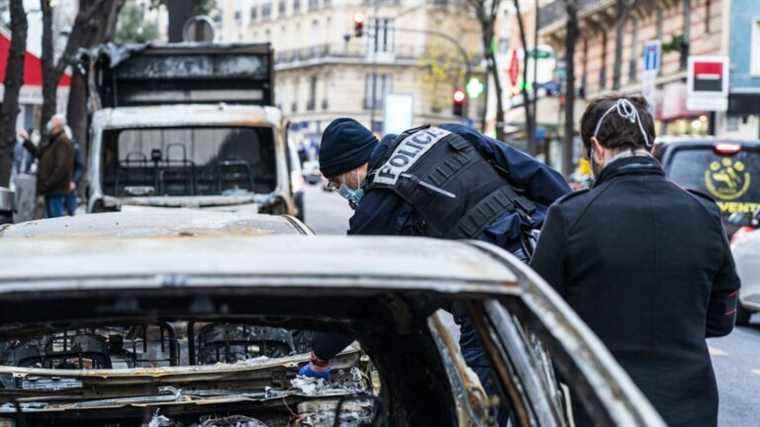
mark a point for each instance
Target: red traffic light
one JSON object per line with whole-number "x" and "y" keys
{"x": 459, "y": 96}
{"x": 358, "y": 25}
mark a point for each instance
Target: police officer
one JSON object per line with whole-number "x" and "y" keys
{"x": 447, "y": 182}
{"x": 645, "y": 264}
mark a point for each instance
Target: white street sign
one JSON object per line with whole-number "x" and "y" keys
{"x": 707, "y": 84}
{"x": 399, "y": 112}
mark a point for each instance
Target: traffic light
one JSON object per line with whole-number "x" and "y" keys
{"x": 358, "y": 25}
{"x": 458, "y": 106}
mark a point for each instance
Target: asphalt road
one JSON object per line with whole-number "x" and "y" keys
{"x": 736, "y": 358}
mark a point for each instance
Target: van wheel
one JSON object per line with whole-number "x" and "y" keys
{"x": 742, "y": 315}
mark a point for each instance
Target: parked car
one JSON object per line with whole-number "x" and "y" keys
{"x": 105, "y": 309}
{"x": 745, "y": 247}
{"x": 729, "y": 171}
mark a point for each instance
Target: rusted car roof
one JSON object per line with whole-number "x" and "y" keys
{"x": 229, "y": 258}
{"x": 156, "y": 241}
{"x": 186, "y": 115}
{"x": 155, "y": 222}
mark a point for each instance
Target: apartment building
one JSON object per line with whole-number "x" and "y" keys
{"x": 323, "y": 70}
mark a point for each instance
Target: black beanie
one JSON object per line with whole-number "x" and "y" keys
{"x": 346, "y": 145}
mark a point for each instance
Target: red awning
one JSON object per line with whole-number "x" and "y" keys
{"x": 32, "y": 65}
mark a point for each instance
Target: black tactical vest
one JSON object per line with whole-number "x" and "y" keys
{"x": 427, "y": 166}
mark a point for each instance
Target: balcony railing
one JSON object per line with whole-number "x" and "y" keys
{"x": 555, "y": 11}
{"x": 357, "y": 53}
{"x": 343, "y": 51}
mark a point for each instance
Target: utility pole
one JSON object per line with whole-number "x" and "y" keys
{"x": 374, "y": 45}
{"x": 535, "y": 77}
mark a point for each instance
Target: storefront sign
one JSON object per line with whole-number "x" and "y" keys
{"x": 707, "y": 83}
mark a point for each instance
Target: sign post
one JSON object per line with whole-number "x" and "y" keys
{"x": 707, "y": 84}
{"x": 652, "y": 64}
{"x": 399, "y": 112}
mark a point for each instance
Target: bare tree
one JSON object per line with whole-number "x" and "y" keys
{"x": 90, "y": 14}
{"x": 14, "y": 79}
{"x": 530, "y": 120}
{"x": 486, "y": 12}
{"x": 571, "y": 37}
{"x": 623, "y": 10}
{"x": 97, "y": 31}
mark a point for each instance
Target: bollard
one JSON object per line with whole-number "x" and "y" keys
{"x": 7, "y": 199}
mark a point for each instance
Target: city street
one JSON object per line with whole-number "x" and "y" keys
{"x": 736, "y": 358}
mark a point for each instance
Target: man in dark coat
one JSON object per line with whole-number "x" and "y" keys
{"x": 355, "y": 163}
{"x": 56, "y": 167}
{"x": 644, "y": 263}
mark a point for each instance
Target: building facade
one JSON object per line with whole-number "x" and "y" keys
{"x": 605, "y": 66}
{"x": 323, "y": 69}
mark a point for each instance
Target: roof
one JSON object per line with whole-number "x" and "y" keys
{"x": 230, "y": 259}
{"x": 155, "y": 223}
{"x": 187, "y": 115}
{"x": 32, "y": 65}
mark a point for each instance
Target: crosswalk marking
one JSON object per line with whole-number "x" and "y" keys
{"x": 756, "y": 372}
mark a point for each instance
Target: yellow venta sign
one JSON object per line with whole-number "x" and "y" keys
{"x": 727, "y": 179}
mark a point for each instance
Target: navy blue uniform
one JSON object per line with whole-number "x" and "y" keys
{"x": 383, "y": 212}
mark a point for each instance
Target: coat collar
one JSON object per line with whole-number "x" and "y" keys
{"x": 634, "y": 165}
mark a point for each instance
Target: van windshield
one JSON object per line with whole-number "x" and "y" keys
{"x": 732, "y": 180}
{"x": 188, "y": 161}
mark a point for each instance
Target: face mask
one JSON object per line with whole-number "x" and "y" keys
{"x": 353, "y": 196}
{"x": 49, "y": 127}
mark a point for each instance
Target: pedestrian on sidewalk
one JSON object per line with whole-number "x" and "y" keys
{"x": 56, "y": 166}
{"x": 645, "y": 263}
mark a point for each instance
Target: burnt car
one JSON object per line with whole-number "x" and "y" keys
{"x": 116, "y": 305}
{"x": 189, "y": 126}
{"x": 729, "y": 171}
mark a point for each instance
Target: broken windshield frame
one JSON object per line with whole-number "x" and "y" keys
{"x": 188, "y": 161}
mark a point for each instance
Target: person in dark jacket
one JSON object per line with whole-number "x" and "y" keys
{"x": 645, "y": 263}
{"x": 56, "y": 167}
{"x": 458, "y": 160}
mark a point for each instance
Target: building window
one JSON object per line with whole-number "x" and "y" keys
{"x": 296, "y": 6}
{"x": 633, "y": 63}
{"x": 376, "y": 86}
{"x": 281, "y": 8}
{"x": 254, "y": 13}
{"x": 381, "y": 35}
{"x": 238, "y": 15}
{"x": 326, "y": 3}
{"x": 311, "y": 103}
{"x": 755, "y": 46}
{"x": 313, "y": 4}
{"x": 266, "y": 11}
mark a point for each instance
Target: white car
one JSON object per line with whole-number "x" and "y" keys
{"x": 745, "y": 247}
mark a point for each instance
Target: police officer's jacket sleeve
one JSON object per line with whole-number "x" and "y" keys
{"x": 543, "y": 184}
{"x": 549, "y": 257}
{"x": 721, "y": 311}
